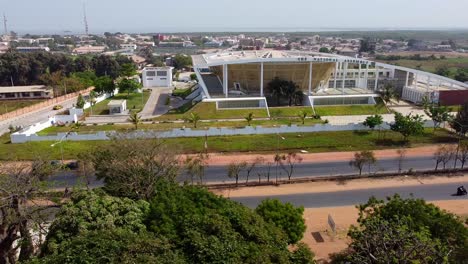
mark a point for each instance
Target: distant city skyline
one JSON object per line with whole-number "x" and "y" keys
{"x": 58, "y": 16}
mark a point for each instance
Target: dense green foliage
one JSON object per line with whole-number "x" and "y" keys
{"x": 285, "y": 216}
{"x": 95, "y": 211}
{"x": 29, "y": 68}
{"x": 421, "y": 232}
{"x": 128, "y": 86}
{"x": 408, "y": 125}
{"x": 184, "y": 224}
{"x": 113, "y": 246}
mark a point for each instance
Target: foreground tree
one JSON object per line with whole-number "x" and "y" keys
{"x": 435, "y": 228}
{"x": 285, "y": 216}
{"x": 132, "y": 167}
{"x": 362, "y": 159}
{"x": 211, "y": 229}
{"x": 408, "y": 125}
{"x": 377, "y": 240}
{"x": 277, "y": 88}
{"x": 19, "y": 184}
{"x": 462, "y": 154}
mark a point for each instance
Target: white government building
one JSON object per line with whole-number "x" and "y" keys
{"x": 239, "y": 79}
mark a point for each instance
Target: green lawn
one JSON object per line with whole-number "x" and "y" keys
{"x": 168, "y": 126}
{"x": 292, "y": 111}
{"x": 312, "y": 142}
{"x": 208, "y": 111}
{"x": 134, "y": 103}
{"x": 337, "y": 110}
{"x": 10, "y": 106}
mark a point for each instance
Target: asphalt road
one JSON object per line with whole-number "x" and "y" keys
{"x": 431, "y": 192}
{"x": 218, "y": 174}
{"x": 34, "y": 117}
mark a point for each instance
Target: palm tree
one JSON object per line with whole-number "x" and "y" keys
{"x": 276, "y": 87}
{"x": 388, "y": 94}
{"x": 249, "y": 118}
{"x": 302, "y": 115}
{"x": 290, "y": 90}
{"x": 135, "y": 119}
{"x": 193, "y": 118}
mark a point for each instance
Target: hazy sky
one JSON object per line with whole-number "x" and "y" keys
{"x": 55, "y": 16}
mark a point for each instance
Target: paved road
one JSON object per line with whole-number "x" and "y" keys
{"x": 218, "y": 174}
{"x": 430, "y": 192}
{"x": 34, "y": 117}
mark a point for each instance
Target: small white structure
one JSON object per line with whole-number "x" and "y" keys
{"x": 157, "y": 77}
{"x": 117, "y": 107}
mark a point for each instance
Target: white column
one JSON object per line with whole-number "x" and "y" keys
{"x": 376, "y": 77}
{"x": 336, "y": 74}
{"x": 261, "y": 79}
{"x": 367, "y": 77}
{"x": 225, "y": 80}
{"x": 345, "y": 72}
{"x": 415, "y": 80}
{"x": 359, "y": 74}
{"x": 407, "y": 79}
{"x": 310, "y": 78}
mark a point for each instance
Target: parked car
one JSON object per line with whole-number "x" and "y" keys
{"x": 57, "y": 107}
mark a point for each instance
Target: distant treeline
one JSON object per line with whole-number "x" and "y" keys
{"x": 37, "y": 67}
{"x": 416, "y": 57}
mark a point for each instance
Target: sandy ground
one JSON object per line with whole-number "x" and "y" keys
{"x": 344, "y": 217}
{"x": 334, "y": 186}
{"x": 222, "y": 159}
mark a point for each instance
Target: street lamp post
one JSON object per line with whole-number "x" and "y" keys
{"x": 61, "y": 145}
{"x": 278, "y": 136}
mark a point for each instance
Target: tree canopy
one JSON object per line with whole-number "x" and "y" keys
{"x": 408, "y": 125}
{"x": 421, "y": 232}
{"x": 285, "y": 216}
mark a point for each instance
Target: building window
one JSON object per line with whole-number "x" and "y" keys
{"x": 162, "y": 73}
{"x": 25, "y": 94}
{"x": 37, "y": 94}
{"x": 151, "y": 73}
{"x": 10, "y": 95}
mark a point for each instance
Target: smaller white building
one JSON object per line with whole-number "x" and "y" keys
{"x": 157, "y": 77}
{"x": 117, "y": 107}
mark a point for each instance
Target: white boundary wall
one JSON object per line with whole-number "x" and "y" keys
{"x": 188, "y": 132}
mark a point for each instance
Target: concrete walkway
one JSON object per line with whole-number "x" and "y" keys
{"x": 156, "y": 104}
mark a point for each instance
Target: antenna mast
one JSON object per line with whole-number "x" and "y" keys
{"x": 85, "y": 20}
{"x": 5, "y": 24}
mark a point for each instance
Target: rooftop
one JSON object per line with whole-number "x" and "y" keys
{"x": 116, "y": 102}
{"x": 259, "y": 55}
